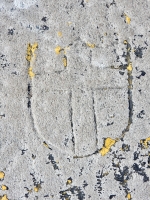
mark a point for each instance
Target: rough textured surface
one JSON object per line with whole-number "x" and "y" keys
{"x": 75, "y": 99}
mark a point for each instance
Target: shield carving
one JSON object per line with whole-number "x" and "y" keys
{"x": 77, "y": 106}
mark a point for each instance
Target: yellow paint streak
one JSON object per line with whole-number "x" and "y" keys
{"x": 30, "y": 57}
{"x": 31, "y": 51}
{"x": 128, "y": 19}
{"x": 145, "y": 142}
{"x": 59, "y": 33}
{"x": 58, "y": 49}
{"x": 128, "y": 196}
{"x": 129, "y": 68}
{"x": 4, "y": 197}
{"x": 4, "y": 187}
{"x": 2, "y": 175}
{"x": 65, "y": 61}
{"x": 90, "y": 45}
{"x": 30, "y": 72}
{"x": 107, "y": 145}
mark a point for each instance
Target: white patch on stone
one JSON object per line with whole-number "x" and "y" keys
{"x": 24, "y": 4}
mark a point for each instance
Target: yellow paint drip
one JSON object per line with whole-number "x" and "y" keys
{"x": 128, "y": 196}
{"x": 90, "y": 45}
{"x": 4, "y": 187}
{"x": 2, "y": 175}
{"x": 129, "y": 68}
{"x": 58, "y": 49}
{"x": 59, "y": 34}
{"x": 128, "y": 19}
{"x": 145, "y": 142}
{"x": 65, "y": 61}
{"x": 4, "y": 197}
{"x": 107, "y": 145}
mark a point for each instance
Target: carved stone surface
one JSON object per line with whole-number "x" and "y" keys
{"x": 75, "y": 100}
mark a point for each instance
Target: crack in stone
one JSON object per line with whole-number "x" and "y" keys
{"x": 30, "y": 61}
{"x": 71, "y": 120}
{"x": 130, "y": 87}
{"x": 95, "y": 120}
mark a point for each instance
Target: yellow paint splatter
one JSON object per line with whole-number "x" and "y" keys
{"x": 128, "y": 196}
{"x": 145, "y": 142}
{"x": 37, "y": 188}
{"x": 4, "y": 197}
{"x": 125, "y": 42}
{"x": 69, "y": 181}
{"x": 128, "y": 19}
{"x": 65, "y": 61}
{"x": 2, "y": 175}
{"x": 129, "y": 67}
{"x": 90, "y": 45}
{"x": 59, "y": 33}
{"x": 58, "y": 49}
{"x": 4, "y": 187}
{"x": 107, "y": 145}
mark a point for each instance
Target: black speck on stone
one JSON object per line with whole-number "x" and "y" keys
{"x": 138, "y": 52}
{"x": 125, "y": 147}
{"x": 108, "y": 124}
{"x": 27, "y": 195}
{"x": 149, "y": 159}
{"x": 136, "y": 155}
{"x": 82, "y": 3}
{"x": 44, "y": 19}
{"x": 111, "y": 196}
{"x": 44, "y": 27}
{"x": 85, "y": 184}
{"x": 142, "y": 74}
{"x": 11, "y": 31}
{"x": 51, "y": 158}
{"x": 46, "y": 195}
{"x": 145, "y": 178}
{"x": 120, "y": 72}
{"x": 136, "y": 167}
{"x": 140, "y": 115}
